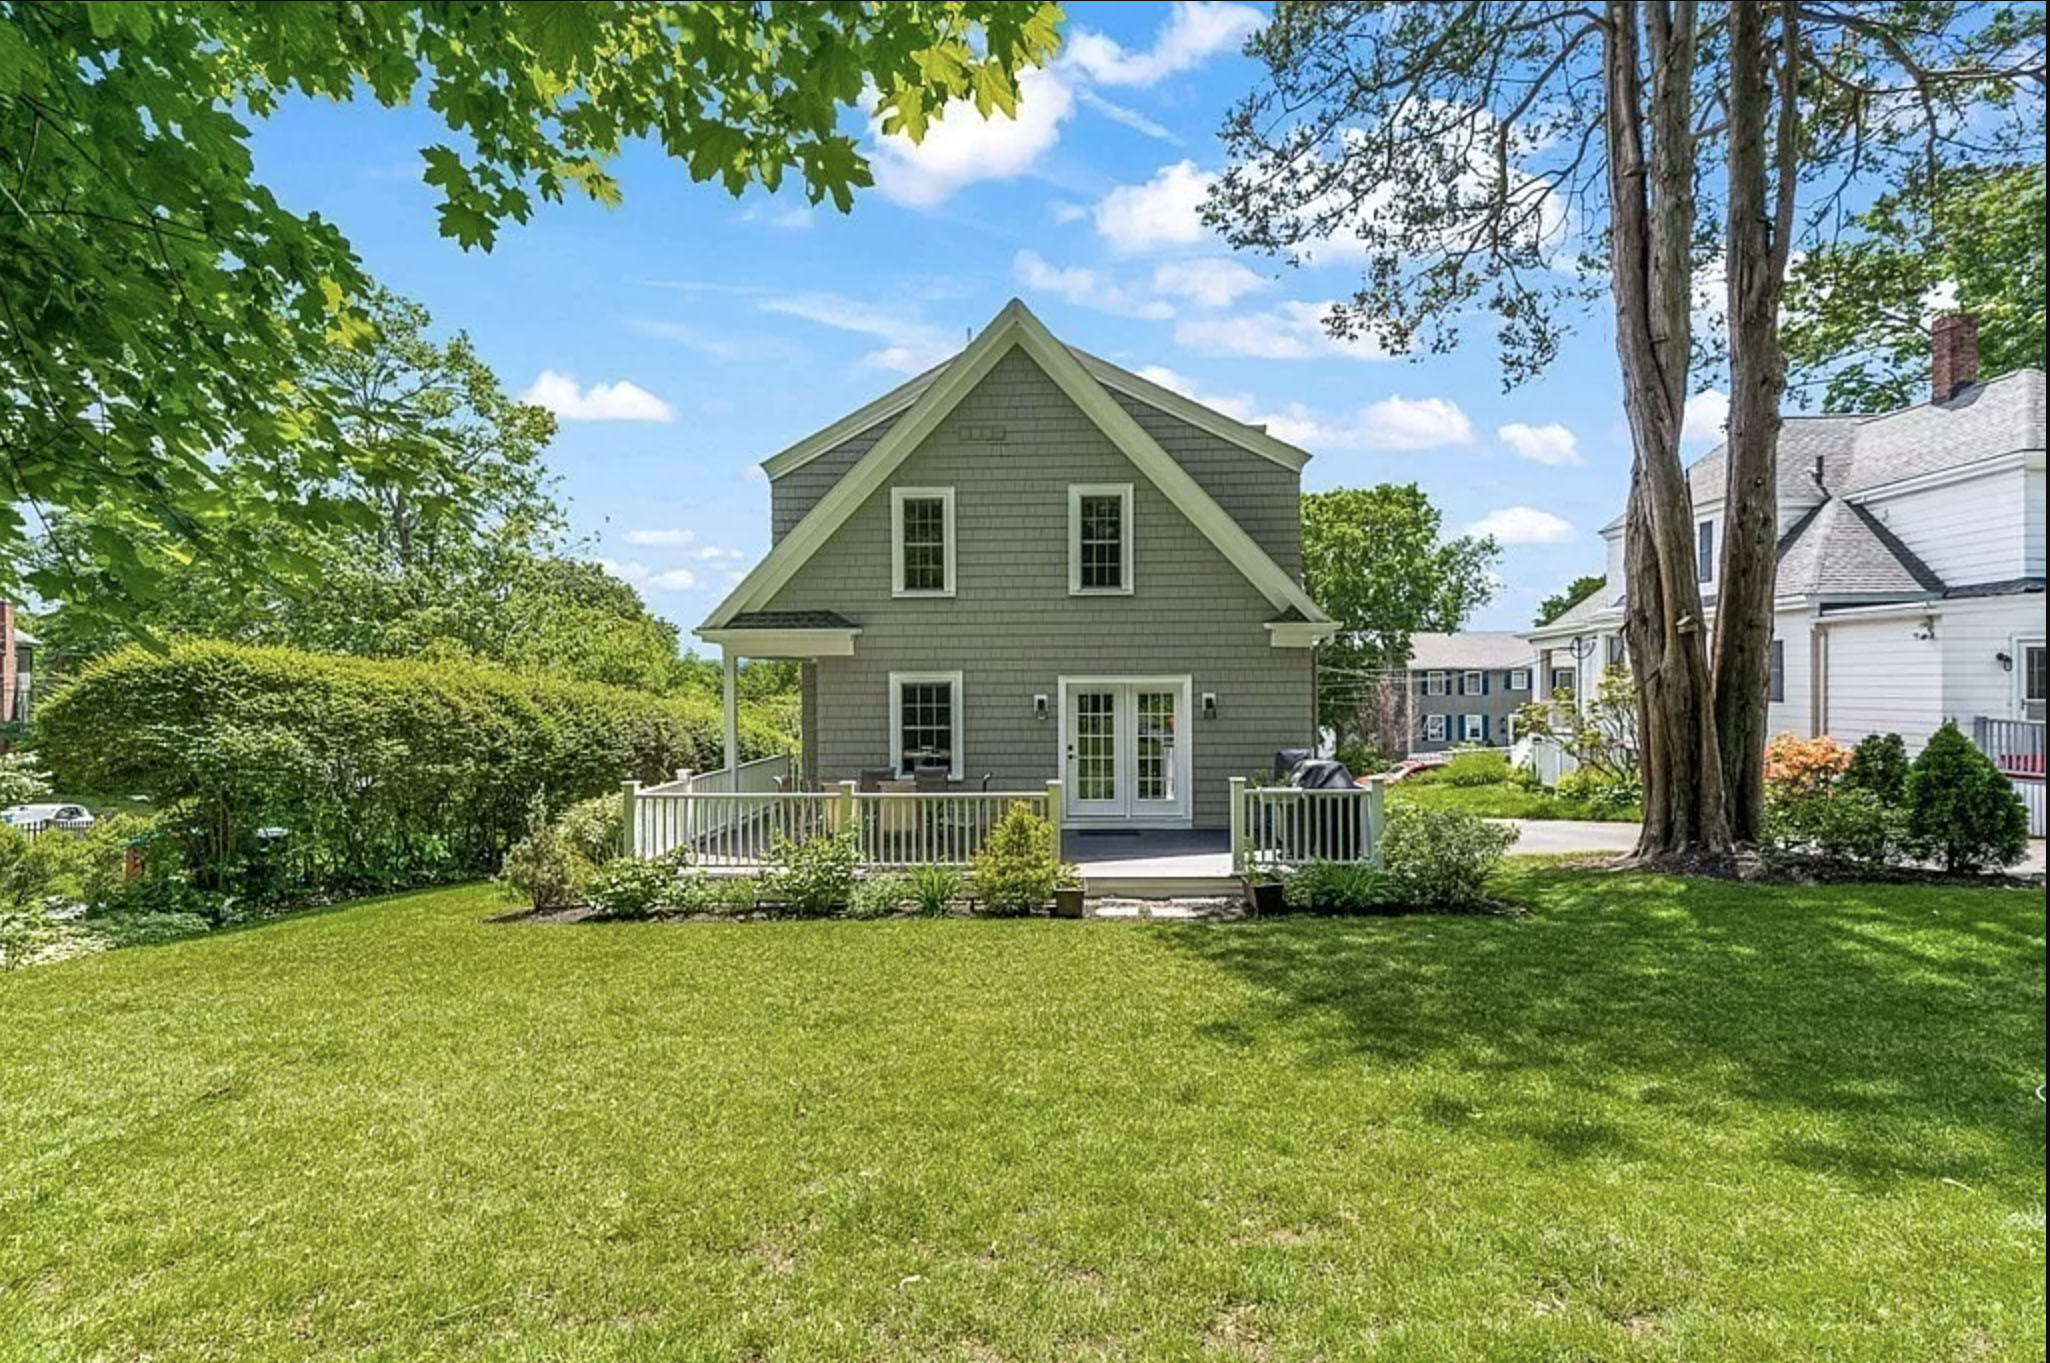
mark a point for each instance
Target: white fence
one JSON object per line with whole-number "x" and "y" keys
{"x": 2017, "y": 748}
{"x": 1282, "y": 826}
{"x": 738, "y": 828}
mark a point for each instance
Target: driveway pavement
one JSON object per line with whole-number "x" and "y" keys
{"x": 1541, "y": 836}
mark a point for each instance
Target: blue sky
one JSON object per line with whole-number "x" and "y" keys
{"x": 684, "y": 336}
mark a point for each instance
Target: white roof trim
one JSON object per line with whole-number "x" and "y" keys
{"x": 2010, "y": 462}
{"x": 1299, "y": 633}
{"x": 1014, "y": 327}
{"x": 1248, "y": 438}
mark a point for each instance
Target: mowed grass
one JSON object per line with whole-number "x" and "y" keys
{"x": 1651, "y": 1120}
{"x": 1504, "y": 800}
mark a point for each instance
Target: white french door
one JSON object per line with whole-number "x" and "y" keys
{"x": 1126, "y": 750}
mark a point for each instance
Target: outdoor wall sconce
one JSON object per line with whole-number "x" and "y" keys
{"x": 1928, "y": 629}
{"x": 1210, "y": 705}
{"x": 2006, "y": 661}
{"x": 1039, "y": 707}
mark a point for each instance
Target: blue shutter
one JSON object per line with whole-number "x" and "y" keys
{"x": 1484, "y": 716}
{"x": 1484, "y": 683}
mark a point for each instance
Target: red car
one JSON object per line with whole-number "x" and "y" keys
{"x": 1410, "y": 767}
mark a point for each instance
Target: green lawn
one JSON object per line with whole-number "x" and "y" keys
{"x": 1503, "y": 800}
{"x": 1651, "y": 1120}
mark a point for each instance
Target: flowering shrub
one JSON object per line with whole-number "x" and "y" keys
{"x": 1803, "y": 766}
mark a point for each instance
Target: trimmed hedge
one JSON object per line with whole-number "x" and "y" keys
{"x": 383, "y": 773}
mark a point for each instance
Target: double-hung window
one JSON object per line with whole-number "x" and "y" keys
{"x": 1519, "y": 679}
{"x": 1776, "y": 672}
{"x": 1434, "y": 728}
{"x": 922, "y": 540}
{"x": 1100, "y": 539}
{"x": 1473, "y": 728}
{"x": 1704, "y": 551}
{"x": 925, "y": 721}
{"x": 1472, "y": 684}
{"x": 1437, "y": 684}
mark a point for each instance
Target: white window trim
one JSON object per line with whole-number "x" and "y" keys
{"x": 1472, "y": 728}
{"x": 898, "y": 681}
{"x": 898, "y": 496}
{"x": 2018, "y": 649}
{"x": 1434, "y": 728}
{"x": 1707, "y": 579}
{"x": 1471, "y": 683}
{"x": 1076, "y": 492}
{"x": 1519, "y": 679}
{"x": 1437, "y": 683}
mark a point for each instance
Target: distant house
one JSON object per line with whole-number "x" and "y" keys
{"x": 1466, "y": 688}
{"x": 17, "y": 666}
{"x": 1030, "y": 564}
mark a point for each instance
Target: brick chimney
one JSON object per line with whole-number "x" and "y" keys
{"x": 1953, "y": 355}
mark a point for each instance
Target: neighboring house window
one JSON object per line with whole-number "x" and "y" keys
{"x": 1704, "y": 551}
{"x": 1434, "y": 727}
{"x": 1437, "y": 684}
{"x": 1473, "y": 684}
{"x": 2032, "y": 674}
{"x": 1100, "y": 538}
{"x": 1519, "y": 679}
{"x": 925, "y": 721}
{"x": 1776, "y": 671}
{"x": 1617, "y": 650}
{"x": 1473, "y": 728}
{"x": 922, "y": 527}
{"x": 1562, "y": 680}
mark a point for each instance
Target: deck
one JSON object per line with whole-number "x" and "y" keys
{"x": 1152, "y": 864}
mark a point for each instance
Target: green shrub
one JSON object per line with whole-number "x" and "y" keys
{"x": 1961, "y": 810}
{"x": 934, "y": 889}
{"x": 595, "y": 828}
{"x": 1604, "y": 794}
{"x": 1440, "y": 859}
{"x": 1335, "y": 887}
{"x": 717, "y": 895}
{"x": 385, "y": 773}
{"x": 1477, "y": 768}
{"x": 629, "y": 887}
{"x": 22, "y": 779}
{"x": 1016, "y": 869}
{"x": 1880, "y": 764}
{"x": 1836, "y": 819}
{"x": 1359, "y": 759}
{"x": 880, "y": 896}
{"x": 814, "y": 877}
{"x": 542, "y": 866}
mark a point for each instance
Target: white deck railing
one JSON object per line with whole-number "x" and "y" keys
{"x": 739, "y": 828}
{"x": 2017, "y": 748}
{"x": 1282, "y": 826}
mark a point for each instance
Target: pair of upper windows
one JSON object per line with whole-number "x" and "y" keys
{"x": 1099, "y": 540}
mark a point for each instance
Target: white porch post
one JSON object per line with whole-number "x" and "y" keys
{"x": 730, "y": 666}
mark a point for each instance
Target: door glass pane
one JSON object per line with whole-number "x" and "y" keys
{"x": 1096, "y": 745}
{"x": 1155, "y": 740}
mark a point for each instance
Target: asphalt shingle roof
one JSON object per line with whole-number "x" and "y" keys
{"x": 1478, "y": 650}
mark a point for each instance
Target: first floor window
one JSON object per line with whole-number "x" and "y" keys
{"x": 1704, "y": 551}
{"x": 1473, "y": 728}
{"x": 925, "y": 721}
{"x": 922, "y": 524}
{"x": 1562, "y": 679}
{"x": 1618, "y": 650}
{"x": 1776, "y": 672}
{"x": 2032, "y": 673}
{"x": 1100, "y": 538}
{"x": 1434, "y": 728}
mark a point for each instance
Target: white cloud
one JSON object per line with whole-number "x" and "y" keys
{"x": 910, "y": 345}
{"x": 621, "y": 401}
{"x": 1193, "y": 34}
{"x": 1065, "y": 211}
{"x": 662, "y": 539}
{"x": 1394, "y": 425}
{"x": 1550, "y": 444}
{"x": 1084, "y": 287}
{"x": 715, "y": 553}
{"x": 789, "y": 217}
{"x": 643, "y": 578}
{"x": 1522, "y": 525}
{"x": 720, "y": 345}
{"x": 1212, "y": 283}
{"x": 1287, "y": 331}
{"x": 1162, "y": 212}
{"x": 1704, "y": 416}
{"x": 1128, "y": 116}
{"x": 962, "y": 146}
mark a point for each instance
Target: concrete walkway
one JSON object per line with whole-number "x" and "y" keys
{"x": 1540, "y": 837}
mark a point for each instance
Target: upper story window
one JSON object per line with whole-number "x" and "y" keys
{"x": 1562, "y": 680}
{"x": 1704, "y": 551}
{"x": 1473, "y": 684}
{"x": 1437, "y": 684}
{"x": 1100, "y": 538}
{"x": 1776, "y": 671}
{"x": 1619, "y": 650}
{"x": 922, "y": 536}
{"x": 1519, "y": 679}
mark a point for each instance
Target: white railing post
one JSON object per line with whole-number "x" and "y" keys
{"x": 630, "y": 797}
{"x": 1053, "y": 815}
{"x": 1377, "y": 815}
{"x": 1238, "y": 825}
{"x": 845, "y": 815}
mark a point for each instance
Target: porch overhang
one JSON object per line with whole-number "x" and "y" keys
{"x": 785, "y": 634}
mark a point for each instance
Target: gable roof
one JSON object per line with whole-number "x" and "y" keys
{"x": 1841, "y": 548}
{"x": 939, "y": 392}
{"x": 1471, "y": 650}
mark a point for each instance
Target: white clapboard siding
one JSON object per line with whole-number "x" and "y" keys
{"x": 1967, "y": 532}
{"x": 1882, "y": 679}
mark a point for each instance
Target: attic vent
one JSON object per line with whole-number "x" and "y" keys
{"x": 982, "y": 433}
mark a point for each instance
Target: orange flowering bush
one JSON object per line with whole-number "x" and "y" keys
{"x": 1803, "y": 766}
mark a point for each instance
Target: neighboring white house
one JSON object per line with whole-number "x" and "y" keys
{"x": 1910, "y": 585}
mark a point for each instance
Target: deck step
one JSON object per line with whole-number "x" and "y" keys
{"x": 1161, "y": 887}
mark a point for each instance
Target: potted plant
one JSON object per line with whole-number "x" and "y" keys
{"x": 1264, "y": 889}
{"x": 1067, "y": 892}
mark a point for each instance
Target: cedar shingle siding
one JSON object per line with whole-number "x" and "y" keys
{"x": 1013, "y": 630}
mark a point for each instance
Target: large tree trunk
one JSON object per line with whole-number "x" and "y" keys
{"x": 1651, "y": 183}
{"x": 1755, "y": 259}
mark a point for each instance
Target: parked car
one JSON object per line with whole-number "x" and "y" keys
{"x": 1411, "y": 766}
{"x": 37, "y": 817}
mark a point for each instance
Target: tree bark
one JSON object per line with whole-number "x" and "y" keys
{"x": 1755, "y": 259}
{"x": 1649, "y": 124}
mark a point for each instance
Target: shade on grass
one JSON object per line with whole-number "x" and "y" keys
{"x": 1652, "y": 1120}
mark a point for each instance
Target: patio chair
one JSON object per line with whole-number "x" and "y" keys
{"x": 931, "y": 780}
{"x": 870, "y": 779}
